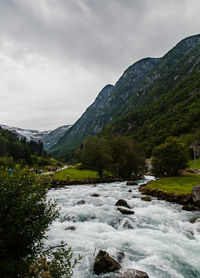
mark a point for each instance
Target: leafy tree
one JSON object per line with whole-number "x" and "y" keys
{"x": 169, "y": 157}
{"x": 25, "y": 215}
{"x": 118, "y": 155}
{"x": 128, "y": 158}
{"x": 96, "y": 155}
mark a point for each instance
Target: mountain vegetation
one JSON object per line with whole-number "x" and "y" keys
{"x": 13, "y": 150}
{"x": 120, "y": 156}
{"x": 169, "y": 158}
{"x": 154, "y": 98}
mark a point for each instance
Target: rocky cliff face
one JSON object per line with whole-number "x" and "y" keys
{"x": 147, "y": 91}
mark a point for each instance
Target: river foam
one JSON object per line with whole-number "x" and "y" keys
{"x": 158, "y": 238}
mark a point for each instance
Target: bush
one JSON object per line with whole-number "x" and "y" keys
{"x": 169, "y": 157}
{"x": 25, "y": 215}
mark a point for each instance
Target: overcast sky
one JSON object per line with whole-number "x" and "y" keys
{"x": 56, "y": 55}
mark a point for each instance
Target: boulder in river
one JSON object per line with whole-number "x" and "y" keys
{"x": 81, "y": 202}
{"x": 126, "y": 273}
{"x": 146, "y": 198}
{"x": 196, "y": 194}
{"x": 125, "y": 211}
{"x": 94, "y": 195}
{"x": 70, "y": 228}
{"x": 122, "y": 203}
{"x": 104, "y": 263}
{"x": 131, "y": 183}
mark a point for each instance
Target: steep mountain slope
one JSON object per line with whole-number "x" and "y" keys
{"x": 105, "y": 107}
{"x": 52, "y": 137}
{"x": 153, "y": 99}
{"x": 48, "y": 138}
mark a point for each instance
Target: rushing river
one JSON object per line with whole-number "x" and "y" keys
{"x": 157, "y": 239}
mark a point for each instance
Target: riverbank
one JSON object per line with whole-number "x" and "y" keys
{"x": 174, "y": 189}
{"x": 60, "y": 183}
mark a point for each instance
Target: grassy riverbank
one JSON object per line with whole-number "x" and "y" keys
{"x": 177, "y": 185}
{"x": 192, "y": 164}
{"x": 72, "y": 174}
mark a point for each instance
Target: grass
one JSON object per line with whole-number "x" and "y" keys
{"x": 72, "y": 174}
{"x": 179, "y": 185}
{"x": 192, "y": 164}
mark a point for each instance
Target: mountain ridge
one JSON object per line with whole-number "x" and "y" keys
{"x": 142, "y": 90}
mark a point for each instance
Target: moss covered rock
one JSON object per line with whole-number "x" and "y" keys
{"x": 104, "y": 263}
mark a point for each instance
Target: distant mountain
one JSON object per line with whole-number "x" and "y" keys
{"x": 48, "y": 138}
{"x": 153, "y": 99}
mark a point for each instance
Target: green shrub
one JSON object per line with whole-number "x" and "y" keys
{"x": 25, "y": 215}
{"x": 170, "y": 157}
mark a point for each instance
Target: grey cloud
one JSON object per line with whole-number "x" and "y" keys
{"x": 100, "y": 37}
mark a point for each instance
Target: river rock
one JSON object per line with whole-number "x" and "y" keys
{"x": 104, "y": 263}
{"x": 122, "y": 203}
{"x": 126, "y": 273}
{"x": 130, "y": 190}
{"x": 146, "y": 198}
{"x": 94, "y": 195}
{"x": 81, "y": 202}
{"x": 126, "y": 224}
{"x": 70, "y": 228}
{"x": 196, "y": 194}
{"x": 120, "y": 256}
{"x": 131, "y": 183}
{"x": 125, "y": 211}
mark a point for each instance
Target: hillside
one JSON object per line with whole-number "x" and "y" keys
{"x": 48, "y": 138}
{"x": 154, "y": 98}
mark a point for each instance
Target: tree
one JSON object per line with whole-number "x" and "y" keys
{"x": 25, "y": 216}
{"x": 128, "y": 158}
{"x": 118, "y": 155}
{"x": 169, "y": 157}
{"x": 96, "y": 155}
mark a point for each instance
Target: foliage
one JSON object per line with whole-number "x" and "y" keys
{"x": 55, "y": 262}
{"x": 169, "y": 157}
{"x": 96, "y": 155}
{"x": 120, "y": 156}
{"x": 178, "y": 185}
{"x": 25, "y": 215}
{"x": 75, "y": 174}
{"x": 128, "y": 158}
{"x": 191, "y": 164}
{"x": 21, "y": 151}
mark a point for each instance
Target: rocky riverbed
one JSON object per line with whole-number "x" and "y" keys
{"x": 157, "y": 238}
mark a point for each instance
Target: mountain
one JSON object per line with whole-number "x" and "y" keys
{"x": 153, "y": 99}
{"x": 48, "y": 138}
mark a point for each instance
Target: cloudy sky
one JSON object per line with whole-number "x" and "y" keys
{"x": 56, "y": 55}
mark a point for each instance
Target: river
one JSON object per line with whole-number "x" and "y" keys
{"x": 157, "y": 239}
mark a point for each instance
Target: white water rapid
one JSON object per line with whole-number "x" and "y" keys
{"x": 157, "y": 239}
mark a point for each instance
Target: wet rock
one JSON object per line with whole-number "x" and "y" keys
{"x": 94, "y": 195}
{"x": 71, "y": 218}
{"x": 196, "y": 194}
{"x": 193, "y": 220}
{"x": 197, "y": 220}
{"x": 104, "y": 263}
{"x": 146, "y": 198}
{"x": 81, "y": 202}
{"x": 120, "y": 256}
{"x": 122, "y": 203}
{"x": 130, "y": 190}
{"x": 125, "y": 211}
{"x": 131, "y": 183}
{"x": 71, "y": 228}
{"x": 127, "y": 224}
{"x": 126, "y": 273}
{"x": 92, "y": 217}
{"x": 189, "y": 207}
